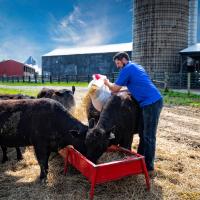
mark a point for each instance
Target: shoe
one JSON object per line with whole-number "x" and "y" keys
{"x": 152, "y": 174}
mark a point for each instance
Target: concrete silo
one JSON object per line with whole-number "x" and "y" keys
{"x": 160, "y": 32}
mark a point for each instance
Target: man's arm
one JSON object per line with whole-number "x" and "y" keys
{"x": 112, "y": 86}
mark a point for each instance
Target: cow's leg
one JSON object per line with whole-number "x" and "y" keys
{"x": 4, "y": 150}
{"x": 42, "y": 155}
{"x": 19, "y": 154}
{"x": 46, "y": 163}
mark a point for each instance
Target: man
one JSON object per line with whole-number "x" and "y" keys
{"x": 134, "y": 77}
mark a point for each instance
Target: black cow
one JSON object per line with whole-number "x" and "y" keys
{"x": 119, "y": 118}
{"x": 4, "y": 148}
{"x": 43, "y": 123}
{"x": 64, "y": 96}
{"x": 15, "y": 96}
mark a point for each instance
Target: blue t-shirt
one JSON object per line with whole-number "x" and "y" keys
{"x": 135, "y": 78}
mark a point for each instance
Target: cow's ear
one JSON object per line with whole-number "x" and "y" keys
{"x": 91, "y": 123}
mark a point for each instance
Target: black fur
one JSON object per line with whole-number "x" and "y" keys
{"x": 43, "y": 123}
{"x": 120, "y": 115}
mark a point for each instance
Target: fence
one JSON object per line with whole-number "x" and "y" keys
{"x": 176, "y": 80}
{"x": 161, "y": 80}
{"x": 51, "y": 79}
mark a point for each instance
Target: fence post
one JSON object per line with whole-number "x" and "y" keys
{"x": 18, "y": 79}
{"x": 166, "y": 82}
{"x": 42, "y": 78}
{"x": 88, "y": 78}
{"x": 188, "y": 82}
{"x": 50, "y": 79}
{"x": 180, "y": 81}
{"x": 23, "y": 79}
{"x": 29, "y": 79}
{"x": 7, "y": 79}
{"x": 2, "y": 78}
{"x": 66, "y": 78}
{"x": 35, "y": 76}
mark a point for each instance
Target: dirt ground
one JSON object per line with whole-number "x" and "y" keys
{"x": 177, "y": 164}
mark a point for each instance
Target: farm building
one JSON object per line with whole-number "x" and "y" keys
{"x": 161, "y": 29}
{"x": 192, "y": 54}
{"x": 83, "y": 60}
{"x": 15, "y": 68}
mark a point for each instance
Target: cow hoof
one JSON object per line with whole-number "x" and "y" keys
{"x": 43, "y": 180}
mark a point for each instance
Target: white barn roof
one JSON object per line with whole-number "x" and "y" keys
{"x": 193, "y": 48}
{"x": 91, "y": 49}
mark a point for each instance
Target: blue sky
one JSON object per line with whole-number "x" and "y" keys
{"x": 37, "y": 27}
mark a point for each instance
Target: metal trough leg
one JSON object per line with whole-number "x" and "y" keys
{"x": 93, "y": 182}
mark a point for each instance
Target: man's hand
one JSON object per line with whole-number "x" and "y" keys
{"x": 112, "y": 87}
{"x": 106, "y": 82}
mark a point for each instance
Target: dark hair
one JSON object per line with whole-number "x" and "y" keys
{"x": 120, "y": 56}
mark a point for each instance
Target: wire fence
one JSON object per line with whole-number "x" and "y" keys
{"x": 50, "y": 78}
{"x": 161, "y": 80}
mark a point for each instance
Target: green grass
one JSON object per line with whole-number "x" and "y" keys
{"x": 32, "y": 92}
{"x": 178, "y": 98}
{"x": 69, "y": 84}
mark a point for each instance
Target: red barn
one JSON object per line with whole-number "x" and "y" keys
{"x": 15, "y": 68}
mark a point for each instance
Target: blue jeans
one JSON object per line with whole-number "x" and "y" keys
{"x": 147, "y": 132}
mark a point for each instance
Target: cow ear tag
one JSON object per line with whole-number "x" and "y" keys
{"x": 112, "y": 136}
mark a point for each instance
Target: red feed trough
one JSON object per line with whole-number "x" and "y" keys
{"x": 101, "y": 173}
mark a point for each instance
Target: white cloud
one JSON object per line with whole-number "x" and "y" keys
{"x": 19, "y": 49}
{"x": 81, "y": 28}
{"x": 15, "y": 46}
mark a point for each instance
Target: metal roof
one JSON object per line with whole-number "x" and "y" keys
{"x": 191, "y": 49}
{"x": 91, "y": 49}
{"x": 14, "y": 61}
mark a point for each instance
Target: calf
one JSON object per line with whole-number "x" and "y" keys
{"x": 43, "y": 123}
{"x": 119, "y": 118}
{"x": 64, "y": 96}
